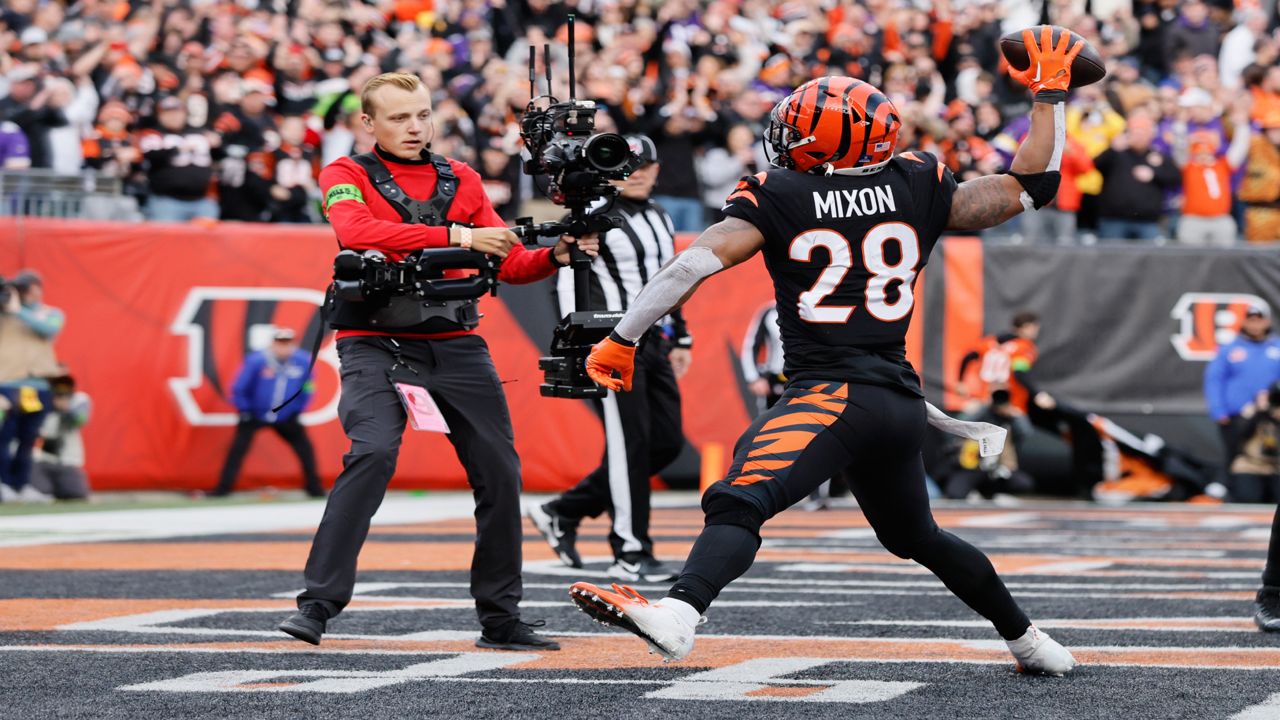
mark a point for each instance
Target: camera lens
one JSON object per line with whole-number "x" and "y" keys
{"x": 607, "y": 152}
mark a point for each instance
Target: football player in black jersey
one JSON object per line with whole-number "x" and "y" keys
{"x": 845, "y": 227}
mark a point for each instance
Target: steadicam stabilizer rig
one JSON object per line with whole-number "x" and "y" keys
{"x": 578, "y": 165}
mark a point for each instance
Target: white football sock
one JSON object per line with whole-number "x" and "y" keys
{"x": 682, "y": 609}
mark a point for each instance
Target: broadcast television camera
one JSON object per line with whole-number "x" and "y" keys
{"x": 579, "y": 165}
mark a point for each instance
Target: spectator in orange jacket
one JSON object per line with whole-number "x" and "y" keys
{"x": 1206, "y": 179}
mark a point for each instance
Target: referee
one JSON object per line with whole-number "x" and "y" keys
{"x": 642, "y": 428}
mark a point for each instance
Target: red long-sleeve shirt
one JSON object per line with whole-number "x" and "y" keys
{"x": 364, "y": 220}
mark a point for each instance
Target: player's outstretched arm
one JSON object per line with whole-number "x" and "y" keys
{"x": 721, "y": 246}
{"x": 1032, "y": 181}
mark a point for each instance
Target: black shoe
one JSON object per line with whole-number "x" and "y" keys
{"x": 307, "y": 624}
{"x": 516, "y": 635}
{"x": 1267, "y": 609}
{"x": 559, "y": 532}
{"x": 218, "y": 493}
{"x": 315, "y": 492}
{"x": 641, "y": 568}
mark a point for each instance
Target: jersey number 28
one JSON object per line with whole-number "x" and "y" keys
{"x": 882, "y": 273}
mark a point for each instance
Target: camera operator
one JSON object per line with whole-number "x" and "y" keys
{"x": 27, "y": 361}
{"x": 642, "y": 427}
{"x": 59, "y": 461}
{"x": 1255, "y": 470}
{"x": 440, "y": 354}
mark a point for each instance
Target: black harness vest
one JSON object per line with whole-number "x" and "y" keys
{"x": 408, "y": 314}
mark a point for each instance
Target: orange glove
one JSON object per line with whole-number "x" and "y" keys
{"x": 610, "y": 356}
{"x": 1050, "y": 67}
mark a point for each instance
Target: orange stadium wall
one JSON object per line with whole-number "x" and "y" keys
{"x": 159, "y": 317}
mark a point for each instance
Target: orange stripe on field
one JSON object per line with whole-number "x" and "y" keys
{"x": 35, "y": 614}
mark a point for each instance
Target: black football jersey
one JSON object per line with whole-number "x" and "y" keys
{"x": 844, "y": 252}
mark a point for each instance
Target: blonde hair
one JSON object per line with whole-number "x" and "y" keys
{"x": 405, "y": 81}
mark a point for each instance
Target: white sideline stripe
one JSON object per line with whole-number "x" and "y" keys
{"x": 149, "y": 524}
{"x": 1000, "y": 519}
{"x": 1268, "y": 709}
{"x": 1176, "y": 624}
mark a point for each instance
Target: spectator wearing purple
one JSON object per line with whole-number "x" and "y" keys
{"x": 1193, "y": 33}
{"x": 15, "y": 153}
{"x": 27, "y": 106}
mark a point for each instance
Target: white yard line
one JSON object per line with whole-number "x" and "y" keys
{"x": 150, "y": 524}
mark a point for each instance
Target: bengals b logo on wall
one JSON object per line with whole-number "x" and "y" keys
{"x": 1207, "y": 320}
{"x": 223, "y": 324}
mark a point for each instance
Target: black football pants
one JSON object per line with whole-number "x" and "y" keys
{"x": 460, "y": 376}
{"x": 291, "y": 431}
{"x": 816, "y": 430}
{"x": 642, "y": 434}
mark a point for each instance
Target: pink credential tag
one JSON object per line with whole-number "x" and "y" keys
{"x": 423, "y": 412}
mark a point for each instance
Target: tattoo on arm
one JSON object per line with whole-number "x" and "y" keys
{"x": 984, "y": 202}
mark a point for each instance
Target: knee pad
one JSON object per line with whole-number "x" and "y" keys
{"x": 725, "y": 509}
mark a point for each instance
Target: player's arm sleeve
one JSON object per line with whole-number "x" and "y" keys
{"x": 354, "y": 223}
{"x": 1215, "y": 375}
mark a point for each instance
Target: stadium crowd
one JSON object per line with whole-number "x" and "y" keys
{"x": 209, "y": 108}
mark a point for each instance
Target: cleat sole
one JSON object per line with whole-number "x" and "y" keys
{"x": 594, "y": 607}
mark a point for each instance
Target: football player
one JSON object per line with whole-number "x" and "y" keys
{"x": 845, "y": 226}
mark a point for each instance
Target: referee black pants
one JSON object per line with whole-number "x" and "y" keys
{"x": 642, "y": 434}
{"x": 460, "y": 376}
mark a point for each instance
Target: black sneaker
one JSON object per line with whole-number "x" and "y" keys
{"x": 516, "y": 635}
{"x": 1267, "y": 609}
{"x": 559, "y": 532}
{"x": 307, "y": 624}
{"x": 641, "y": 568}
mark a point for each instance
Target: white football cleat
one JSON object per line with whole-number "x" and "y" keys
{"x": 1039, "y": 654}
{"x": 667, "y": 633}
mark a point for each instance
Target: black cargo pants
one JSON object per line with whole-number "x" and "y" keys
{"x": 461, "y": 378}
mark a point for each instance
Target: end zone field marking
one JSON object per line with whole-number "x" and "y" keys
{"x": 1268, "y": 709}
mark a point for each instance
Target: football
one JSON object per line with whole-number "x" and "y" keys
{"x": 1086, "y": 69}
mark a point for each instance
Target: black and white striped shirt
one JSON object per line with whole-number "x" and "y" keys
{"x": 630, "y": 256}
